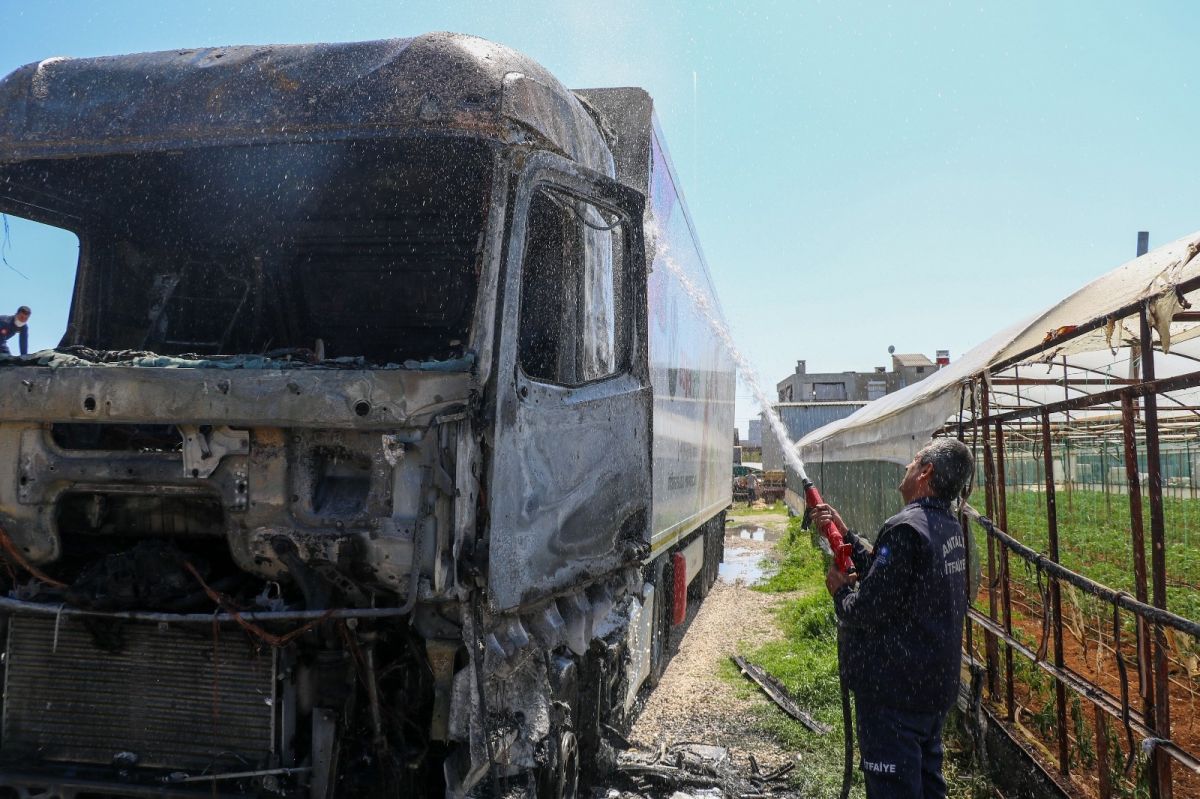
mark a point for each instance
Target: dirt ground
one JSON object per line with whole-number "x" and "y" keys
{"x": 1185, "y": 722}
{"x": 694, "y": 702}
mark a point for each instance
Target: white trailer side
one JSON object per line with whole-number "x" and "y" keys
{"x": 691, "y": 371}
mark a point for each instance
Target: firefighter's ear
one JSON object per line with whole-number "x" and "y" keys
{"x": 926, "y": 472}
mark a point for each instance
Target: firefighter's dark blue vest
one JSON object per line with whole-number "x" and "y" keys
{"x": 912, "y": 662}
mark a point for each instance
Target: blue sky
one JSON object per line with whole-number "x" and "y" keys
{"x": 861, "y": 174}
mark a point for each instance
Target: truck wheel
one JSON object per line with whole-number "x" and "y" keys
{"x": 718, "y": 548}
{"x": 660, "y": 630}
{"x": 703, "y": 580}
{"x": 559, "y": 777}
{"x": 716, "y": 545}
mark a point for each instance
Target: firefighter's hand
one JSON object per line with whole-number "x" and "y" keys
{"x": 835, "y": 579}
{"x": 823, "y": 514}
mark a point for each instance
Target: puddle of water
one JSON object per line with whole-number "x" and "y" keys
{"x": 742, "y": 564}
{"x": 759, "y": 534}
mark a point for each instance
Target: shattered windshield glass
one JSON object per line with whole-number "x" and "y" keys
{"x": 363, "y": 249}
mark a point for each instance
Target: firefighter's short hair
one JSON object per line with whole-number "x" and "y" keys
{"x": 952, "y": 467}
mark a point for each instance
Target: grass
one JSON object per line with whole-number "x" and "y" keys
{"x": 805, "y": 662}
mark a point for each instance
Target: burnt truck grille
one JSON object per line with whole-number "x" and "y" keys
{"x": 158, "y": 697}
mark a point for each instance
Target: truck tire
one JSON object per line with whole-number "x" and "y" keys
{"x": 703, "y": 580}
{"x": 558, "y": 778}
{"x": 718, "y": 548}
{"x": 664, "y": 580}
{"x": 712, "y": 555}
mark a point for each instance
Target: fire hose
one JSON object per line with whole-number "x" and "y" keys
{"x": 845, "y": 564}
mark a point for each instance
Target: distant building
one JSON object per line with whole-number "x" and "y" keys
{"x": 808, "y": 400}
{"x": 800, "y": 419}
{"x": 753, "y": 433}
{"x": 907, "y": 368}
{"x": 912, "y": 368}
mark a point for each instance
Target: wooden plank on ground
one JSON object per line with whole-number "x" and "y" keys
{"x": 779, "y": 695}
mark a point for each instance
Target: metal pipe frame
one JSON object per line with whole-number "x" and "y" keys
{"x": 1060, "y": 694}
{"x": 1010, "y": 703}
{"x": 1158, "y": 566}
{"x": 1107, "y": 413}
{"x": 1057, "y": 571}
{"x": 991, "y": 652}
{"x": 19, "y": 607}
{"x": 1143, "y": 389}
{"x": 1138, "y": 543}
{"x": 1084, "y": 689}
{"x": 1165, "y": 750}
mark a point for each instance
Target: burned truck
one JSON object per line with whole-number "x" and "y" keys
{"x": 387, "y": 437}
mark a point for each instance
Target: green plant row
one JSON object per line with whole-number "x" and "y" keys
{"x": 1095, "y": 541}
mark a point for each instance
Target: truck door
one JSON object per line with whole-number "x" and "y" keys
{"x": 570, "y": 479}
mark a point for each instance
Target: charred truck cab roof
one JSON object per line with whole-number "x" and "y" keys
{"x": 439, "y": 83}
{"x": 339, "y": 483}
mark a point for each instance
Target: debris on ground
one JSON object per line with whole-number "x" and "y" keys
{"x": 779, "y": 695}
{"x": 694, "y": 770}
{"x": 698, "y": 698}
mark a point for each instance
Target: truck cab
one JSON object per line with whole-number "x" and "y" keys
{"x": 339, "y": 482}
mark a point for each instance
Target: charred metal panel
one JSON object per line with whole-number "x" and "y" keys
{"x": 558, "y": 117}
{"x": 338, "y": 478}
{"x": 332, "y": 399}
{"x": 574, "y": 492}
{"x": 174, "y": 699}
{"x": 690, "y": 367}
{"x": 256, "y": 94}
{"x": 570, "y": 477}
{"x": 366, "y": 503}
{"x": 630, "y": 111}
{"x": 41, "y": 480}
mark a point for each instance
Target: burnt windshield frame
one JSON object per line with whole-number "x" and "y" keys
{"x": 548, "y": 172}
{"x": 374, "y": 247}
{"x": 572, "y": 291}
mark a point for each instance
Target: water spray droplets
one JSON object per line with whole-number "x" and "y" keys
{"x": 662, "y": 256}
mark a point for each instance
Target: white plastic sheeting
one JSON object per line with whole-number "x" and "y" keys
{"x": 894, "y": 427}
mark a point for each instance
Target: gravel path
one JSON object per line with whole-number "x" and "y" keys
{"x": 693, "y": 702}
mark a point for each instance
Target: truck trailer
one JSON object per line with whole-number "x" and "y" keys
{"x": 387, "y": 437}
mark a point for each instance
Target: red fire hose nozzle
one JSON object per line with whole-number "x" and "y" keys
{"x": 841, "y": 550}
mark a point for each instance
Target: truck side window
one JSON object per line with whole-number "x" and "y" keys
{"x": 570, "y": 291}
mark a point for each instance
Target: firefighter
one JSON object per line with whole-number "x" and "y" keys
{"x": 17, "y": 324}
{"x": 900, "y": 625}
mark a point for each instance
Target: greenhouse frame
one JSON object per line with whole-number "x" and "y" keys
{"x": 1085, "y": 517}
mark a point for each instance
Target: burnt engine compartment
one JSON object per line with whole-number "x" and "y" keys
{"x": 120, "y": 708}
{"x": 247, "y": 627}
{"x": 323, "y": 706}
{"x": 213, "y": 699}
{"x": 193, "y": 675}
